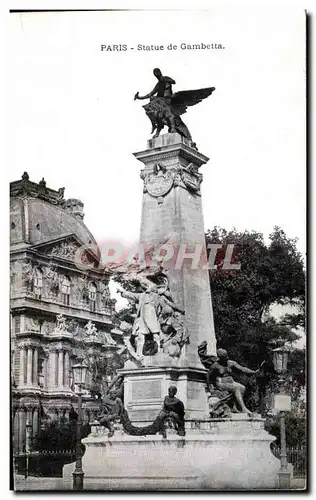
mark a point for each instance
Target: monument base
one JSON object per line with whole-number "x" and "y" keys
{"x": 146, "y": 388}
{"x": 221, "y": 455}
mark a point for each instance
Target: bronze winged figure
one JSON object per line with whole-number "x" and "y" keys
{"x": 165, "y": 107}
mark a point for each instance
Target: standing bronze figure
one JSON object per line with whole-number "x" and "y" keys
{"x": 165, "y": 107}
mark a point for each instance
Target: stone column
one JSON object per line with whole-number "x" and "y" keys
{"x": 66, "y": 373}
{"x": 43, "y": 369}
{"x": 16, "y": 431}
{"x": 46, "y": 371}
{"x": 35, "y": 367}
{"x": 51, "y": 376}
{"x": 22, "y": 366}
{"x": 60, "y": 368}
{"x": 22, "y": 422}
{"x": 29, "y": 372}
{"x": 35, "y": 422}
{"x": 28, "y": 430}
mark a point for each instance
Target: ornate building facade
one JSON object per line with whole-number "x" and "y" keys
{"x": 60, "y": 305}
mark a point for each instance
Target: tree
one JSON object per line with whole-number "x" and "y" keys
{"x": 269, "y": 274}
{"x": 242, "y": 298}
{"x": 102, "y": 361}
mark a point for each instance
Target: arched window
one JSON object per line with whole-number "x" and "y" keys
{"x": 65, "y": 290}
{"x": 38, "y": 283}
{"x": 92, "y": 296}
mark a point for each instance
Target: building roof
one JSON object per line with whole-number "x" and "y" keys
{"x": 38, "y": 214}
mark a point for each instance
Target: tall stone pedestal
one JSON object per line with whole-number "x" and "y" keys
{"x": 220, "y": 455}
{"x": 145, "y": 389}
{"x": 172, "y": 213}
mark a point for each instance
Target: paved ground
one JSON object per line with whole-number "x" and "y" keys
{"x": 298, "y": 484}
{"x": 38, "y": 483}
{"x": 51, "y": 483}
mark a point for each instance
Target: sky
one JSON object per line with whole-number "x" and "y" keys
{"x": 73, "y": 119}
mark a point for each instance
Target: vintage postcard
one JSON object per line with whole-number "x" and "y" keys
{"x": 157, "y": 251}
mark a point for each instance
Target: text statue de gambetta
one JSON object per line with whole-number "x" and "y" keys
{"x": 165, "y": 107}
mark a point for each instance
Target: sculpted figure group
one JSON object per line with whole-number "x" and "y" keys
{"x": 158, "y": 324}
{"x": 113, "y": 411}
{"x": 226, "y": 397}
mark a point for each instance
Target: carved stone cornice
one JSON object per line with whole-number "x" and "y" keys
{"x": 172, "y": 151}
{"x": 26, "y": 405}
{"x": 29, "y": 343}
{"x": 60, "y": 347}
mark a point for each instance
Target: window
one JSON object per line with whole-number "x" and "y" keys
{"x": 92, "y": 296}
{"x": 38, "y": 284}
{"x": 65, "y": 290}
{"x": 17, "y": 324}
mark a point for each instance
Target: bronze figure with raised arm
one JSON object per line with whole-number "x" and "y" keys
{"x": 165, "y": 107}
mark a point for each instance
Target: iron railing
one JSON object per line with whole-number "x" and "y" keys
{"x": 47, "y": 463}
{"x": 295, "y": 456}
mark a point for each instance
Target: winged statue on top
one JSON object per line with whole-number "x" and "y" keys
{"x": 165, "y": 107}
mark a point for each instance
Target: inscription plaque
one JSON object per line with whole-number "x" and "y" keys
{"x": 146, "y": 389}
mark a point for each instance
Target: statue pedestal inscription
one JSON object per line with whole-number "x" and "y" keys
{"x": 145, "y": 389}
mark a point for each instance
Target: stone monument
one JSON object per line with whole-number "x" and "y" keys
{"x": 172, "y": 218}
{"x": 172, "y": 318}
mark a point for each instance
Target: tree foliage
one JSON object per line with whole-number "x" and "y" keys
{"x": 60, "y": 435}
{"x": 269, "y": 274}
{"x": 295, "y": 427}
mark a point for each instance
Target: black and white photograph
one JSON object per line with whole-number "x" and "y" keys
{"x": 158, "y": 250}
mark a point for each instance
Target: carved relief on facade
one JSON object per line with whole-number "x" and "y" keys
{"x": 32, "y": 325}
{"x": 53, "y": 282}
{"x": 47, "y": 327}
{"x": 91, "y": 332}
{"x": 105, "y": 297}
{"x": 28, "y": 275}
{"x": 61, "y": 325}
{"x": 81, "y": 290}
{"x": 64, "y": 249}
